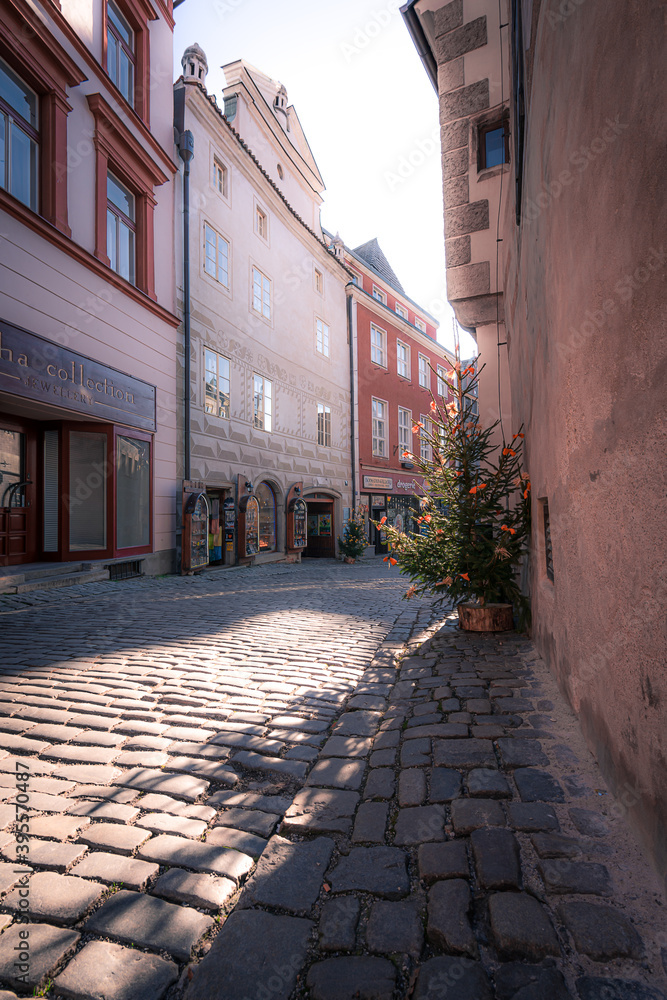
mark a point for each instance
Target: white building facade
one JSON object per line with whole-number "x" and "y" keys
{"x": 269, "y": 352}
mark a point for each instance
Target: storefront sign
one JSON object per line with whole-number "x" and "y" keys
{"x": 378, "y": 500}
{"x": 409, "y": 485}
{"x": 39, "y": 369}
{"x": 378, "y": 483}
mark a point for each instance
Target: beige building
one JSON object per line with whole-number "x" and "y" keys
{"x": 270, "y": 371}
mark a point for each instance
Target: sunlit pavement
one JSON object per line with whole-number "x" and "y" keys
{"x": 385, "y": 806}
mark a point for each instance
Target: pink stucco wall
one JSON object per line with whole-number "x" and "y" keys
{"x": 584, "y": 300}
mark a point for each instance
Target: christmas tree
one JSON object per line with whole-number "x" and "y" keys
{"x": 475, "y": 511}
{"x": 353, "y": 541}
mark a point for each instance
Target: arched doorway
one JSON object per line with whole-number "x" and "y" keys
{"x": 267, "y": 517}
{"x": 321, "y": 538}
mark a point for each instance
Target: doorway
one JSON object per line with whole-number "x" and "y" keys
{"x": 18, "y": 495}
{"x": 320, "y": 520}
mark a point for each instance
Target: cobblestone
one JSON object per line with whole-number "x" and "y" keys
{"x": 106, "y": 971}
{"x": 359, "y": 977}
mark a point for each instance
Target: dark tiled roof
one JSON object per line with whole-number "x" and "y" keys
{"x": 372, "y": 254}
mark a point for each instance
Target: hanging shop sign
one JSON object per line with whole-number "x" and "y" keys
{"x": 39, "y": 369}
{"x": 378, "y": 483}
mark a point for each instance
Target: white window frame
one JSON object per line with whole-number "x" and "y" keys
{"x": 260, "y": 222}
{"x": 358, "y": 279}
{"x": 218, "y": 377}
{"x": 425, "y": 447}
{"x": 261, "y": 280}
{"x": 379, "y": 295}
{"x": 323, "y": 425}
{"x": 219, "y": 166}
{"x": 379, "y": 415}
{"x": 401, "y": 311}
{"x": 404, "y": 430}
{"x": 262, "y": 390}
{"x": 379, "y": 351}
{"x": 318, "y": 280}
{"x": 321, "y": 337}
{"x": 220, "y": 243}
{"x": 403, "y": 374}
{"x": 442, "y": 387}
{"x": 420, "y": 324}
{"x": 424, "y": 372}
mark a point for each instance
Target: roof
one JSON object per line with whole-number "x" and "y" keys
{"x": 372, "y": 254}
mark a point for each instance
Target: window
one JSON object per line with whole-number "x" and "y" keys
{"x": 404, "y": 430}
{"x": 281, "y": 172}
{"x": 19, "y": 138}
{"x": 402, "y": 359}
{"x": 378, "y": 346}
{"x": 324, "y": 425}
{"x": 379, "y": 295}
{"x": 133, "y": 492}
{"x": 379, "y": 412}
{"x": 121, "y": 59}
{"x": 216, "y": 255}
{"x": 262, "y": 403}
{"x": 267, "y": 517}
{"x": 442, "y": 381}
{"x": 322, "y": 337}
{"x": 358, "y": 280}
{"x": 548, "y": 551}
{"x": 493, "y": 145}
{"x": 220, "y": 177}
{"x": 261, "y": 223}
{"x": 401, "y": 311}
{"x": 319, "y": 281}
{"x": 261, "y": 293}
{"x": 216, "y": 384}
{"x": 424, "y": 372}
{"x": 121, "y": 229}
{"x": 420, "y": 324}
{"x": 88, "y": 492}
{"x": 424, "y": 443}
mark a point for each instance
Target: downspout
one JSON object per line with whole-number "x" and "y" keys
{"x": 353, "y": 448}
{"x": 186, "y": 151}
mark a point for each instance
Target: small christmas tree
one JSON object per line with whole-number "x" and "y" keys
{"x": 353, "y": 542}
{"x": 475, "y": 512}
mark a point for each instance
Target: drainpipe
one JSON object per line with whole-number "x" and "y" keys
{"x": 186, "y": 151}
{"x": 353, "y": 446}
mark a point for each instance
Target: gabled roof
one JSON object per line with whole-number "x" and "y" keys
{"x": 372, "y": 254}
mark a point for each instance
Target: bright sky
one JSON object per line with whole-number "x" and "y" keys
{"x": 369, "y": 113}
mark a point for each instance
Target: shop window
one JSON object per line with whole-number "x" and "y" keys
{"x": 121, "y": 229}
{"x": 378, "y": 346}
{"x": 322, "y": 337}
{"x": 216, "y": 255}
{"x": 262, "y": 402}
{"x": 379, "y": 416}
{"x": 324, "y": 425}
{"x": 403, "y": 359}
{"x": 121, "y": 52}
{"x": 216, "y": 384}
{"x": 87, "y": 491}
{"x": 267, "y": 517}
{"x": 261, "y": 293}
{"x": 50, "y": 498}
{"x": 133, "y": 492}
{"x": 19, "y": 138}
{"x": 424, "y": 372}
{"x": 404, "y": 430}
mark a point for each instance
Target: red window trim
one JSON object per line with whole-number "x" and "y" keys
{"x": 28, "y": 46}
{"x": 118, "y": 150}
{"x": 138, "y": 14}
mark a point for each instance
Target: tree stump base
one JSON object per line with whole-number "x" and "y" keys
{"x": 348, "y": 559}
{"x": 486, "y": 618}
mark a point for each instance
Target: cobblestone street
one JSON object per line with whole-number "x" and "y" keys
{"x": 286, "y": 782}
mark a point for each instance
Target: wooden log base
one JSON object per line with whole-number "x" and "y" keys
{"x": 487, "y": 618}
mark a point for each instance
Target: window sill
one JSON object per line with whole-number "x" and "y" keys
{"x": 486, "y": 173}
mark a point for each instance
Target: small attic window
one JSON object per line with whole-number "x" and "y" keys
{"x": 201, "y": 73}
{"x": 230, "y": 107}
{"x": 281, "y": 172}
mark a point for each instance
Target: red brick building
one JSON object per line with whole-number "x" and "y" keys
{"x": 397, "y": 364}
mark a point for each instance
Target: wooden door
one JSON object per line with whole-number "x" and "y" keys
{"x": 18, "y": 497}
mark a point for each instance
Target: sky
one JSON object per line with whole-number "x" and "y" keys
{"x": 368, "y": 110}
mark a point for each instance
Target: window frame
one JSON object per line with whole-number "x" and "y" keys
{"x": 137, "y": 14}
{"x": 374, "y": 349}
{"x": 31, "y": 132}
{"x": 219, "y": 236}
{"x": 425, "y": 446}
{"x": 442, "y": 386}
{"x": 426, "y": 373}
{"x": 265, "y": 413}
{"x": 218, "y": 358}
{"x": 260, "y": 222}
{"x": 401, "y": 311}
{"x": 122, "y": 47}
{"x": 126, "y": 221}
{"x": 375, "y": 420}
{"x": 324, "y": 436}
{"x": 482, "y": 131}
{"x": 407, "y": 444}
{"x": 263, "y": 277}
{"x": 217, "y": 163}
{"x": 408, "y": 361}
{"x": 322, "y": 336}
{"x": 379, "y": 295}
{"x": 318, "y": 280}
{"x": 420, "y": 324}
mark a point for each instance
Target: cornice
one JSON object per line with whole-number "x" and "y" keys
{"x": 384, "y": 313}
